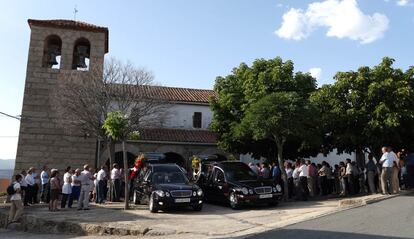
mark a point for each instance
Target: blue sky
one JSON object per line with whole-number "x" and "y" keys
{"x": 188, "y": 43}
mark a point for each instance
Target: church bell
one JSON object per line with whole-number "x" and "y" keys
{"x": 81, "y": 53}
{"x": 53, "y": 52}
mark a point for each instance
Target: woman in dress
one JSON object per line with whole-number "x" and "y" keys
{"x": 54, "y": 190}
{"x": 67, "y": 187}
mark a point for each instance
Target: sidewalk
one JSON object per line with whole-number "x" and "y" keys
{"x": 213, "y": 221}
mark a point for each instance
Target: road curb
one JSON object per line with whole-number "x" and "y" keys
{"x": 355, "y": 202}
{"x": 30, "y": 223}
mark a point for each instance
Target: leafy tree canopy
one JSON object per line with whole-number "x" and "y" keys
{"x": 254, "y": 101}
{"x": 368, "y": 108}
{"x": 116, "y": 125}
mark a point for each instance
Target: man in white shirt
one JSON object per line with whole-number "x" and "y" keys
{"x": 16, "y": 205}
{"x": 28, "y": 197}
{"x": 289, "y": 175}
{"x": 116, "y": 178}
{"x": 387, "y": 161}
{"x": 350, "y": 172}
{"x": 303, "y": 178}
{"x": 100, "y": 186}
{"x": 86, "y": 183}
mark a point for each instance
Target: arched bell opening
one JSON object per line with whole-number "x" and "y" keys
{"x": 52, "y": 52}
{"x": 81, "y": 54}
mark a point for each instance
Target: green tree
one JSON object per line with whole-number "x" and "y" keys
{"x": 278, "y": 117}
{"x": 244, "y": 91}
{"x": 116, "y": 127}
{"x": 369, "y": 108}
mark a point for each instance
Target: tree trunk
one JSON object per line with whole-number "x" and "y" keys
{"x": 124, "y": 153}
{"x": 360, "y": 158}
{"x": 282, "y": 169}
{"x": 109, "y": 145}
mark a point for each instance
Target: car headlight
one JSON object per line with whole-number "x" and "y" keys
{"x": 274, "y": 189}
{"x": 199, "y": 192}
{"x": 194, "y": 193}
{"x": 250, "y": 191}
{"x": 167, "y": 194}
{"x": 278, "y": 188}
{"x": 245, "y": 191}
{"x": 160, "y": 193}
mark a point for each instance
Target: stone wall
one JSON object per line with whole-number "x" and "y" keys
{"x": 41, "y": 139}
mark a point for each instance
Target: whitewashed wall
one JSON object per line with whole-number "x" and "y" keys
{"x": 178, "y": 116}
{"x": 181, "y": 116}
{"x": 332, "y": 158}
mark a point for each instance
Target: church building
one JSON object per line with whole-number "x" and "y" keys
{"x": 55, "y": 46}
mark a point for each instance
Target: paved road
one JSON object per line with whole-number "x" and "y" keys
{"x": 389, "y": 219}
{"x": 7, "y": 234}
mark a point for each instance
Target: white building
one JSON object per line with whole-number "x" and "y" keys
{"x": 183, "y": 130}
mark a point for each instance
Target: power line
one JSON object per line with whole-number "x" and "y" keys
{"x": 11, "y": 116}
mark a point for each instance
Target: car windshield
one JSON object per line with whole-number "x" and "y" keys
{"x": 169, "y": 178}
{"x": 239, "y": 172}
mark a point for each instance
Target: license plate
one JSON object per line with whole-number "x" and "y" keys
{"x": 180, "y": 200}
{"x": 266, "y": 196}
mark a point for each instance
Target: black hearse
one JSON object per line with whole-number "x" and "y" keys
{"x": 166, "y": 186}
{"x": 237, "y": 184}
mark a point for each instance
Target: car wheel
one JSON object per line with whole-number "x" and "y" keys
{"x": 152, "y": 205}
{"x": 198, "y": 207}
{"x": 234, "y": 204}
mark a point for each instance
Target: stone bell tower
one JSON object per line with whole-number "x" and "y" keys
{"x": 57, "y": 48}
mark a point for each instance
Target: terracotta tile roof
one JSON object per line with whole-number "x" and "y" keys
{"x": 70, "y": 24}
{"x": 179, "y": 135}
{"x": 173, "y": 94}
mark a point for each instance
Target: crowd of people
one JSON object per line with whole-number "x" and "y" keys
{"x": 50, "y": 186}
{"x": 307, "y": 179}
{"x": 304, "y": 179}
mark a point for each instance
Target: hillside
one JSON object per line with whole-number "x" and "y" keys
{"x": 7, "y": 163}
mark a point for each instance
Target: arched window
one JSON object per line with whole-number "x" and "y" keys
{"x": 81, "y": 54}
{"x": 52, "y": 51}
